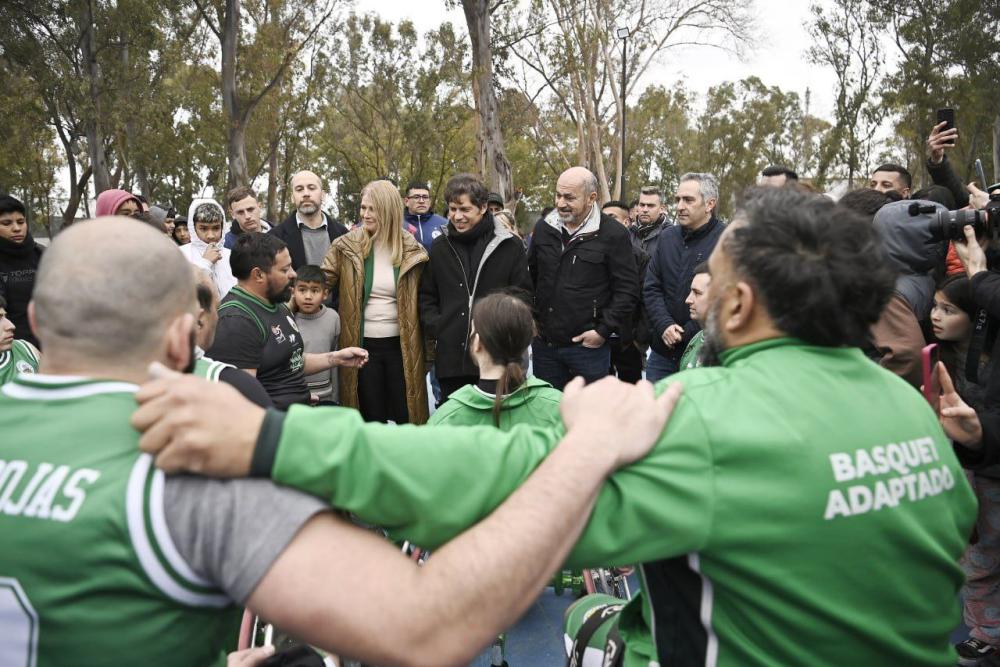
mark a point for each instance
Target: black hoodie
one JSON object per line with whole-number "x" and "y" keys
{"x": 18, "y": 265}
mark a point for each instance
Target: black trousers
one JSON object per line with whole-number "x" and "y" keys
{"x": 450, "y": 385}
{"x": 382, "y": 384}
{"x": 626, "y": 361}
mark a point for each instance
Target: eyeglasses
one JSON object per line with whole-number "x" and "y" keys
{"x": 419, "y": 197}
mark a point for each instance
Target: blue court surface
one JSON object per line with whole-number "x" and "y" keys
{"x": 536, "y": 640}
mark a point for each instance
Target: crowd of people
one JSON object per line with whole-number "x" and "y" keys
{"x": 813, "y": 480}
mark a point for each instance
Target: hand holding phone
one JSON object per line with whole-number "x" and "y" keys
{"x": 982, "y": 174}
{"x": 943, "y": 135}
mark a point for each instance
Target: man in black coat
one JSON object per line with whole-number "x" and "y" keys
{"x": 19, "y": 258}
{"x": 308, "y": 232}
{"x": 586, "y": 283}
{"x": 473, "y": 257}
{"x": 671, "y": 267}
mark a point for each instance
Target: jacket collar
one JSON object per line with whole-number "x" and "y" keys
{"x": 353, "y": 244}
{"x": 500, "y": 231}
{"x": 474, "y": 397}
{"x": 702, "y": 231}
{"x": 590, "y": 225}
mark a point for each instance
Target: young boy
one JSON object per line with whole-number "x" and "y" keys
{"x": 205, "y": 249}
{"x": 16, "y": 356}
{"x": 320, "y": 329}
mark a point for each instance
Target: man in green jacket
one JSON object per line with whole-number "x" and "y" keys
{"x": 803, "y": 506}
{"x": 697, "y": 303}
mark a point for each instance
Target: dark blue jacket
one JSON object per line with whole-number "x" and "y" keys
{"x": 668, "y": 281}
{"x": 428, "y": 227}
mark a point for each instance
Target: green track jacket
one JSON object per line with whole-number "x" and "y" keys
{"x": 803, "y": 507}
{"x": 535, "y": 402}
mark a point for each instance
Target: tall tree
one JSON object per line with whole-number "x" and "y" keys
{"x": 224, "y": 19}
{"x": 493, "y": 162}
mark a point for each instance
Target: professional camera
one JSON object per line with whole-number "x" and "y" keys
{"x": 949, "y": 225}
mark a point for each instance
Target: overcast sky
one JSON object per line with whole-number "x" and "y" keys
{"x": 778, "y": 60}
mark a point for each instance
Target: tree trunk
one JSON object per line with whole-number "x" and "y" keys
{"x": 236, "y": 128}
{"x": 493, "y": 162}
{"x": 996, "y": 149}
{"x": 141, "y": 175}
{"x": 272, "y": 184}
{"x": 94, "y": 131}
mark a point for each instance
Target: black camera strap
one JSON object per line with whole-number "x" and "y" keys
{"x": 976, "y": 348}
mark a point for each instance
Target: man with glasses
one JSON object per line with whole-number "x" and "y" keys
{"x": 426, "y": 223}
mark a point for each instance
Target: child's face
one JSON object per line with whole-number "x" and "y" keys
{"x": 209, "y": 232}
{"x": 309, "y": 297}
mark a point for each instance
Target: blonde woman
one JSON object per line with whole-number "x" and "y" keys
{"x": 376, "y": 269}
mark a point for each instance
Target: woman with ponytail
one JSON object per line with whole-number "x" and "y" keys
{"x": 502, "y": 330}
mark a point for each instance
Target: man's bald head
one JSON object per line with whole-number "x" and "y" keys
{"x": 576, "y": 193}
{"x": 107, "y": 289}
{"x": 307, "y": 192}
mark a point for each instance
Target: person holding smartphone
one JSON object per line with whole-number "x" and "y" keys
{"x": 943, "y": 136}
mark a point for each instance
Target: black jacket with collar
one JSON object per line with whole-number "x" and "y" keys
{"x": 592, "y": 283}
{"x": 668, "y": 281}
{"x": 446, "y": 294}
{"x": 18, "y": 266}
{"x": 289, "y": 232}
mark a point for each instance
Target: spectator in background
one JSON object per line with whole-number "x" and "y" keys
{"x": 376, "y": 270}
{"x": 679, "y": 249}
{"x": 697, "y": 303}
{"x": 181, "y": 235}
{"x": 953, "y": 317}
{"x": 309, "y": 231}
{"x": 628, "y": 348}
{"x": 586, "y": 283}
{"x": 19, "y": 258}
{"x": 204, "y": 221}
{"x": 117, "y": 202}
{"x": 778, "y": 175}
{"x": 245, "y": 211}
{"x": 651, "y": 218}
{"x": 320, "y": 329}
{"x": 475, "y": 256}
{"x": 916, "y": 255}
{"x": 892, "y": 177}
{"x": 426, "y": 224}
{"x": 494, "y": 202}
{"x": 163, "y": 216}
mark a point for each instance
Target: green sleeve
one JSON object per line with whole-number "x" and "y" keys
{"x": 658, "y": 507}
{"x": 423, "y": 483}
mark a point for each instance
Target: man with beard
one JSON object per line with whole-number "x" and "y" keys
{"x": 308, "y": 232}
{"x": 747, "y": 515}
{"x": 256, "y": 331}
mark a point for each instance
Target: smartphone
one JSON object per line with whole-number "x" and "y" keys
{"x": 930, "y": 356}
{"x": 982, "y": 174}
{"x": 946, "y": 116}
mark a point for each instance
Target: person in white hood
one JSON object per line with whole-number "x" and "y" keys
{"x": 205, "y": 219}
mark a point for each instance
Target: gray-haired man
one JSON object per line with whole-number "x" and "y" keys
{"x": 677, "y": 251}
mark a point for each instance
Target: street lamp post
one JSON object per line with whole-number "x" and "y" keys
{"x": 622, "y": 34}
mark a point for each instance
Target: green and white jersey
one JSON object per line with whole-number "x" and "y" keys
{"x": 97, "y": 565}
{"x": 21, "y": 358}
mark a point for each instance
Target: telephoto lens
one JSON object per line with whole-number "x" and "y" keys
{"x": 949, "y": 225}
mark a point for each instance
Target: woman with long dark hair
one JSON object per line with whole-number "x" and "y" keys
{"x": 502, "y": 330}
